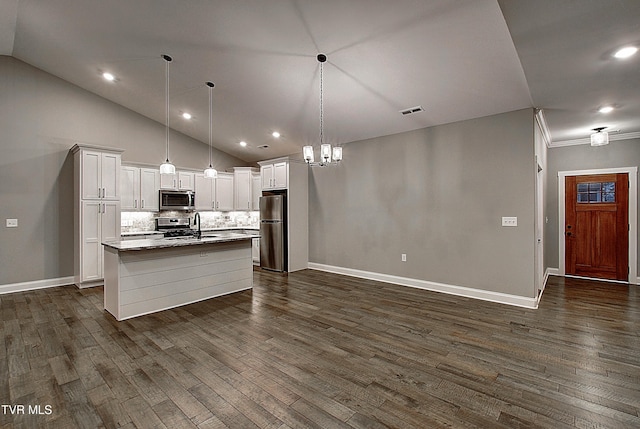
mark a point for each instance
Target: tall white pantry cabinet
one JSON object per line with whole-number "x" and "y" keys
{"x": 96, "y": 209}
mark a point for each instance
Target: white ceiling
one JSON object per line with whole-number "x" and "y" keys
{"x": 457, "y": 59}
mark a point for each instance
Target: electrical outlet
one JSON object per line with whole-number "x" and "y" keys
{"x": 203, "y": 254}
{"x": 12, "y": 223}
{"x": 509, "y": 221}
{"x": 403, "y": 257}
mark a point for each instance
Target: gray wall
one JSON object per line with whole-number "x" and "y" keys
{"x": 438, "y": 195}
{"x": 41, "y": 117}
{"x": 623, "y": 153}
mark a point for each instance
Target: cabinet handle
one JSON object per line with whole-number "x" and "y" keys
{"x": 180, "y": 183}
{"x": 104, "y": 194}
{"x": 135, "y": 204}
{"x": 142, "y": 204}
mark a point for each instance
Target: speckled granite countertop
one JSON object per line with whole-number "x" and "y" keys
{"x": 208, "y": 237}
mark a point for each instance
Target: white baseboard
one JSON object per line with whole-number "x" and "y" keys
{"x": 502, "y": 298}
{"x": 37, "y": 284}
{"x": 552, "y": 272}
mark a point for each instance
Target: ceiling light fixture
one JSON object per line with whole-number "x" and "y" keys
{"x": 606, "y": 109}
{"x": 167, "y": 167}
{"x": 243, "y": 143}
{"x": 210, "y": 172}
{"x": 108, "y": 76}
{"x": 327, "y": 155}
{"x": 275, "y": 134}
{"x": 599, "y": 138}
{"x": 186, "y": 115}
{"x": 625, "y": 52}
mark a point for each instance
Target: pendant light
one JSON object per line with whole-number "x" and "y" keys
{"x": 328, "y": 155}
{"x": 167, "y": 167}
{"x": 599, "y": 138}
{"x": 210, "y": 172}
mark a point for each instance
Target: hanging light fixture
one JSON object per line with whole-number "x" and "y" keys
{"x": 328, "y": 155}
{"x": 210, "y": 172}
{"x": 599, "y": 138}
{"x": 167, "y": 167}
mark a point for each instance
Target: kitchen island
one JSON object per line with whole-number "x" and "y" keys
{"x": 145, "y": 276}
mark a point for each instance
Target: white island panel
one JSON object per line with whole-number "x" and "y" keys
{"x": 144, "y": 281}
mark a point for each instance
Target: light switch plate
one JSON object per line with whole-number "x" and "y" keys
{"x": 509, "y": 221}
{"x": 12, "y": 223}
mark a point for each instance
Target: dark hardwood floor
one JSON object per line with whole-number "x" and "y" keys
{"x": 318, "y": 350}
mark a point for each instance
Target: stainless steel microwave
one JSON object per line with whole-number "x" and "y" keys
{"x": 177, "y": 200}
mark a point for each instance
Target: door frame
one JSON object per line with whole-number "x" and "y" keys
{"x": 633, "y": 216}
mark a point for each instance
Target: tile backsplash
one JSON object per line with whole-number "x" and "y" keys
{"x": 145, "y": 221}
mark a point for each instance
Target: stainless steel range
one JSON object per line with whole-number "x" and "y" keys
{"x": 173, "y": 227}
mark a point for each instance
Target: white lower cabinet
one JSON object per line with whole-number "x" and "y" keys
{"x": 100, "y": 222}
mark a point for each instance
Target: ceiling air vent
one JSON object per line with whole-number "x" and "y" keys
{"x": 412, "y": 110}
{"x": 264, "y": 146}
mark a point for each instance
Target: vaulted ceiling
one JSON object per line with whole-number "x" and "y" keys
{"x": 456, "y": 59}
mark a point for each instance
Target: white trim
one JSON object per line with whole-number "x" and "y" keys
{"x": 501, "y": 298}
{"x": 544, "y": 129}
{"x": 587, "y": 140}
{"x": 552, "y": 272}
{"x": 633, "y": 215}
{"x": 37, "y": 284}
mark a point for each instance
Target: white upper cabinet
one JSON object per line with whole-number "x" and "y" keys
{"x": 149, "y": 186}
{"x": 274, "y": 175}
{"x": 256, "y": 190}
{"x": 205, "y": 192}
{"x": 182, "y": 180}
{"x": 224, "y": 192}
{"x": 242, "y": 184}
{"x": 139, "y": 189}
{"x": 130, "y": 188}
{"x": 99, "y": 173}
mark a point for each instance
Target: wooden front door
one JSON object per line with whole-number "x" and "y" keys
{"x": 597, "y": 226}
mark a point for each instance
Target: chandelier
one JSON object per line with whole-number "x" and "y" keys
{"x": 328, "y": 155}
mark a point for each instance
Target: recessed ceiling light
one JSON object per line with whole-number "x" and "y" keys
{"x": 186, "y": 115}
{"x": 108, "y": 76}
{"x": 243, "y": 143}
{"x": 625, "y": 52}
{"x": 606, "y": 109}
{"x": 275, "y": 134}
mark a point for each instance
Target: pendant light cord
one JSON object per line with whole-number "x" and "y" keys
{"x": 321, "y": 107}
{"x": 210, "y": 84}
{"x": 167, "y": 60}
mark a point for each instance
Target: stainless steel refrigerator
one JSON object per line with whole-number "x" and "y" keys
{"x": 273, "y": 232}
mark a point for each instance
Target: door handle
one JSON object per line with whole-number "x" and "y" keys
{"x": 568, "y": 234}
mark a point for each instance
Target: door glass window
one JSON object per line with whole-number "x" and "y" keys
{"x": 596, "y": 192}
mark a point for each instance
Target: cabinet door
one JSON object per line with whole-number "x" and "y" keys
{"x": 204, "y": 188}
{"x": 149, "y": 186}
{"x": 280, "y": 172}
{"x": 185, "y": 181}
{"x": 242, "y": 189}
{"x": 90, "y": 167}
{"x": 110, "y": 221}
{"x": 256, "y": 190}
{"x": 91, "y": 253}
{"x": 266, "y": 171}
{"x": 110, "y": 176}
{"x": 168, "y": 181}
{"x": 130, "y": 188}
{"x": 224, "y": 192}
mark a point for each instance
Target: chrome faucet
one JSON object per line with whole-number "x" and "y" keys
{"x": 196, "y": 216}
